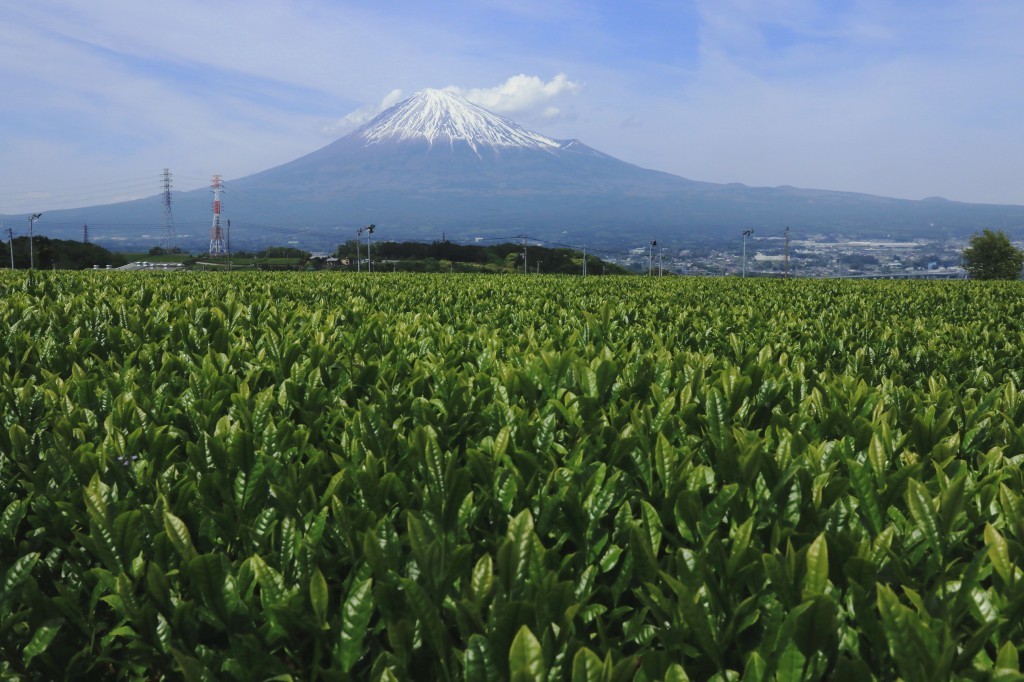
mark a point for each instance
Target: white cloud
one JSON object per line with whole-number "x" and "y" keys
{"x": 364, "y": 114}
{"x": 522, "y": 94}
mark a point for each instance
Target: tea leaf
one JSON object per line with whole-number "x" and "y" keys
{"x": 355, "y": 616}
{"x": 525, "y": 658}
{"x": 816, "y": 579}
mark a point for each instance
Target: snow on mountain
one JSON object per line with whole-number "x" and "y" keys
{"x": 439, "y": 116}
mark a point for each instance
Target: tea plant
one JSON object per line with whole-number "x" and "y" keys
{"x": 306, "y": 476}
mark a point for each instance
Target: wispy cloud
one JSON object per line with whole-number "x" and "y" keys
{"x": 364, "y": 114}
{"x": 875, "y": 97}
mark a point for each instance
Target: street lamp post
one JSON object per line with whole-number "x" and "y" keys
{"x": 359, "y": 263}
{"x": 746, "y": 233}
{"x": 31, "y": 255}
{"x": 369, "y": 259}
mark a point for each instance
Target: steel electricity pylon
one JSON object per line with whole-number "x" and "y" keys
{"x": 216, "y": 231}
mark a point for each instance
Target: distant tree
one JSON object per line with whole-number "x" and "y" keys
{"x": 61, "y": 254}
{"x": 990, "y": 255}
{"x": 283, "y": 252}
{"x": 346, "y": 250}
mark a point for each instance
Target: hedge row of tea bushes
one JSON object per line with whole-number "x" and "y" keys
{"x": 217, "y": 476}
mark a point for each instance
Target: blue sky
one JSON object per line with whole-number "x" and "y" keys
{"x": 907, "y": 99}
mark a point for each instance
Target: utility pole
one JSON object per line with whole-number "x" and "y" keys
{"x": 229, "y": 244}
{"x": 369, "y": 259}
{"x": 525, "y": 271}
{"x": 650, "y": 258}
{"x": 746, "y": 233}
{"x": 538, "y": 266}
{"x": 661, "y": 261}
{"x": 10, "y": 245}
{"x": 584, "y": 260}
{"x": 31, "y": 255}
{"x": 787, "y": 252}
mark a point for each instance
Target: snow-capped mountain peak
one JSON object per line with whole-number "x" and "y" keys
{"x": 443, "y": 117}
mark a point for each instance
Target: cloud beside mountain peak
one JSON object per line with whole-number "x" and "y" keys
{"x": 520, "y": 95}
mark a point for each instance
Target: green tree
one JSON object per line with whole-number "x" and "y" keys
{"x": 990, "y": 255}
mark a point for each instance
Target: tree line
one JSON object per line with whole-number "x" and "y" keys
{"x": 61, "y": 254}
{"x": 504, "y": 257}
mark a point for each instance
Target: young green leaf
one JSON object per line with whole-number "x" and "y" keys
{"x": 319, "y": 596}
{"x": 651, "y": 525}
{"x": 355, "y": 616}
{"x": 998, "y": 553}
{"x": 480, "y": 665}
{"x": 483, "y": 578}
{"x": 19, "y": 572}
{"x": 676, "y": 673}
{"x": 525, "y": 657}
{"x": 178, "y": 533}
{"x": 587, "y": 666}
{"x": 923, "y": 511}
{"x": 816, "y": 579}
{"x": 41, "y": 639}
{"x": 1007, "y": 658}
{"x": 878, "y": 457}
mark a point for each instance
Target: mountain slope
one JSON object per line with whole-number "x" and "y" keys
{"x": 437, "y": 140}
{"x": 436, "y": 163}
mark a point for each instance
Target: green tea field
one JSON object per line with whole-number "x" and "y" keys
{"x": 312, "y": 476}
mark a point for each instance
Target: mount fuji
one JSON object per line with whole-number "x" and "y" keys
{"x": 438, "y": 164}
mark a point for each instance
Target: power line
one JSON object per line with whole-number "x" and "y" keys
{"x": 145, "y": 180}
{"x": 780, "y": 233}
{"x": 72, "y": 197}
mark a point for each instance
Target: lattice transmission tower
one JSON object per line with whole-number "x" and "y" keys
{"x": 216, "y": 231}
{"x": 168, "y": 237}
